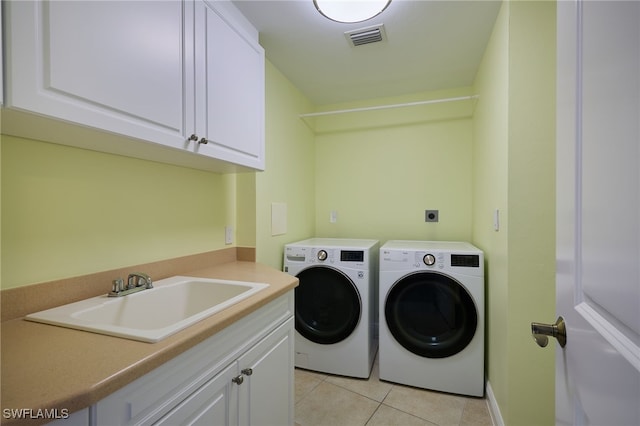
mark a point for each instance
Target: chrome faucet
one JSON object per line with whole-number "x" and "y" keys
{"x": 139, "y": 279}
{"x": 136, "y": 281}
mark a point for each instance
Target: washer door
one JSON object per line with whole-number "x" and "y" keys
{"x": 431, "y": 314}
{"x": 327, "y": 305}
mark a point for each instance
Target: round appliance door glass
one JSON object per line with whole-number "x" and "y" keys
{"x": 327, "y": 305}
{"x": 431, "y": 314}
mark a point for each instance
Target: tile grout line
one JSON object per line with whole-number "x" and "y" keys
{"x": 324, "y": 378}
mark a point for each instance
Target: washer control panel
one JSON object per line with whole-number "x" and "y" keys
{"x": 325, "y": 255}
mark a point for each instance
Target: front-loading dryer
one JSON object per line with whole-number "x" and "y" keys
{"x": 432, "y": 315}
{"x": 335, "y": 304}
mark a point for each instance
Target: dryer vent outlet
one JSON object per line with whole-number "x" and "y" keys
{"x": 431, "y": 215}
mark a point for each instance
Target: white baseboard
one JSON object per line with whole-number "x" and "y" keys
{"x": 494, "y": 410}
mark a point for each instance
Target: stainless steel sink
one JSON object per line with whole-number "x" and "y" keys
{"x": 151, "y": 315}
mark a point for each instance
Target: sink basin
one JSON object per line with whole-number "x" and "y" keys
{"x": 151, "y": 315}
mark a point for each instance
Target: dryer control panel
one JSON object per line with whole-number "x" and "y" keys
{"x": 439, "y": 260}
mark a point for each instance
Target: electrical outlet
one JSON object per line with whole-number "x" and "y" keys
{"x": 431, "y": 215}
{"x": 228, "y": 235}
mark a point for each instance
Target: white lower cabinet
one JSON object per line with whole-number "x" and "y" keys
{"x": 255, "y": 390}
{"x": 243, "y": 375}
{"x": 213, "y": 404}
{"x": 267, "y": 391}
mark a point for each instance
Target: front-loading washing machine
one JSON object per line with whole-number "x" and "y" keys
{"x": 335, "y": 304}
{"x": 432, "y": 315}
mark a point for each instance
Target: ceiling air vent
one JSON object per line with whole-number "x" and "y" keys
{"x": 367, "y": 35}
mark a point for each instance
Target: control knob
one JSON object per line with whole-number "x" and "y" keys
{"x": 429, "y": 259}
{"x": 322, "y": 255}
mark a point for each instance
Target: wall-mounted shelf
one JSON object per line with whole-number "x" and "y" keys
{"x": 380, "y": 107}
{"x": 378, "y": 116}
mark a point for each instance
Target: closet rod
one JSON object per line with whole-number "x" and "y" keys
{"x": 433, "y": 101}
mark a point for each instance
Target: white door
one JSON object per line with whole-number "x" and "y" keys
{"x": 598, "y": 213}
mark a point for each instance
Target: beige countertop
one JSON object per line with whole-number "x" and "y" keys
{"x": 50, "y": 367}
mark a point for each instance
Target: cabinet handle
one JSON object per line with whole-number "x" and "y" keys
{"x": 247, "y": 371}
{"x": 193, "y": 137}
{"x": 203, "y": 141}
{"x": 238, "y": 380}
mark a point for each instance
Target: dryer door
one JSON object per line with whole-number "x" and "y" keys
{"x": 431, "y": 314}
{"x": 328, "y": 305}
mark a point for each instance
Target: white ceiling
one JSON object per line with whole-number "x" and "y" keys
{"x": 431, "y": 45}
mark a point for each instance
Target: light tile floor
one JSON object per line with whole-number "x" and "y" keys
{"x": 323, "y": 399}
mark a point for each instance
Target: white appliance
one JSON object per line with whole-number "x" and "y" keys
{"x": 432, "y": 315}
{"x": 335, "y": 303}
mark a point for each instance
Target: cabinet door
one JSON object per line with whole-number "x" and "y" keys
{"x": 229, "y": 87}
{"x": 112, "y": 65}
{"x": 215, "y": 403}
{"x": 267, "y": 394}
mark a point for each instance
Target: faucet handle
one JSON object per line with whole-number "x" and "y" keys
{"x": 118, "y": 285}
{"x": 139, "y": 279}
{"x": 148, "y": 283}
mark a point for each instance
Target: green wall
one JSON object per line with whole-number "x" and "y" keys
{"x": 532, "y": 208}
{"x": 380, "y": 171}
{"x": 514, "y": 158}
{"x": 490, "y": 158}
{"x": 290, "y": 171}
{"x": 68, "y": 211}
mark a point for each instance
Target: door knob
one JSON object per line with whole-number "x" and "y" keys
{"x": 541, "y": 332}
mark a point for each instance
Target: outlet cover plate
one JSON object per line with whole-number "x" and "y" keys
{"x": 431, "y": 215}
{"x": 278, "y": 218}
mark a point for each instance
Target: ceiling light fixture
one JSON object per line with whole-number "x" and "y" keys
{"x": 349, "y": 11}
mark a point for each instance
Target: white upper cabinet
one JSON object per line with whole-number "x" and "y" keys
{"x": 128, "y": 68}
{"x": 115, "y": 66}
{"x": 229, "y": 85}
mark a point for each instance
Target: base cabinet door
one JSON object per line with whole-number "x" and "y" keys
{"x": 267, "y": 394}
{"x": 257, "y": 389}
{"x": 215, "y": 403}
